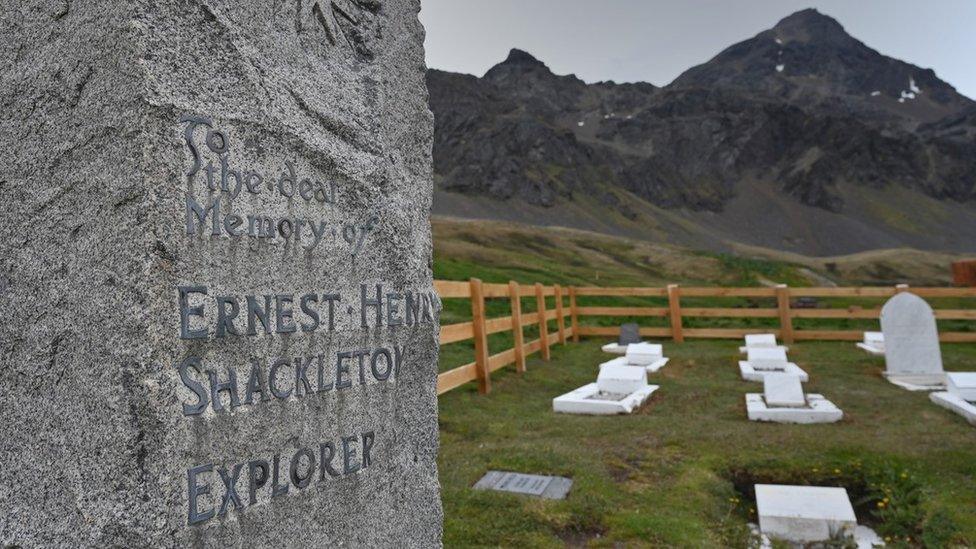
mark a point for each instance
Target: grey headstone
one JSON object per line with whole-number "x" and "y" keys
{"x": 548, "y": 487}
{"x": 114, "y": 115}
{"x": 629, "y": 333}
{"x": 911, "y": 338}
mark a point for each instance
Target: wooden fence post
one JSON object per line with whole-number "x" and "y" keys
{"x": 514, "y": 293}
{"x": 480, "y": 337}
{"x": 785, "y": 318}
{"x": 540, "y": 300}
{"x": 573, "y": 313}
{"x": 674, "y": 312}
{"x": 560, "y": 321}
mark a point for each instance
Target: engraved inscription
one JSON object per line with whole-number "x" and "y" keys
{"x": 218, "y": 215}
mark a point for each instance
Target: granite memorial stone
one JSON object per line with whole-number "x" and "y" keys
{"x": 629, "y": 333}
{"x": 221, "y": 326}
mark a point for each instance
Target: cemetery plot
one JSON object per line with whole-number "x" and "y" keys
{"x": 662, "y": 476}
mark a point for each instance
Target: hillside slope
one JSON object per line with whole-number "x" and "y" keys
{"x": 801, "y": 139}
{"x": 500, "y": 251}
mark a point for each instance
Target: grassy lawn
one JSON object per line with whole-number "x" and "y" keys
{"x": 677, "y": 472}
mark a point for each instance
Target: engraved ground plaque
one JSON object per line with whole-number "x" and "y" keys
{"x": 216, "y": 262}
{"x": 548, "y": 487}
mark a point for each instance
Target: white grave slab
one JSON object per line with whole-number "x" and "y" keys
{"x": 873, "y": 343}
{"x": 762, "y": 360}
{"x": 864, "y": 538}
{"x": 760, "y": 340}
{"x": 781, "y": 390}
{"x": 962, "y": 384}
{"x": 960, "y": 396}
{"x": 913, "y": 358}
{"x": 956, "y": 404}
{"x": 650, "y": 368}
{"x": 804, "y": 514}
{"x": 531, "y": 485}
{"x": 643, "y": 354}
{"x": 816, "y": 409}
{"x": 621, "y": 379}
{"x": 767, "y": 358}
{"x": 589, "y": 400}
{"x": 749, "y": 373}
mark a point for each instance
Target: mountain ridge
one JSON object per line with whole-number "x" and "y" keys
{"x": 807, "y": 131}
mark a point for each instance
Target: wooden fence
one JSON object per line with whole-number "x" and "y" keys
{"x": 480, "y": 327}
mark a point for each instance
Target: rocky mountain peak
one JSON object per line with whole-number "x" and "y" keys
{"x": 521, "y": 57}
{"x": 810, "y": 25}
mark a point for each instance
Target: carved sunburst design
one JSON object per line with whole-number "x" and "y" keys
{"x": 344, "y": 23}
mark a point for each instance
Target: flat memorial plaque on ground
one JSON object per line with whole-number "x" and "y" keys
{"x": 520, "y": 483}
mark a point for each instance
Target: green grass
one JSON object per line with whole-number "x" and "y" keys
{"x": 667, "y": 475}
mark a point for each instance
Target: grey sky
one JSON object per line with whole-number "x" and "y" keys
{"x": 654, "y": 41}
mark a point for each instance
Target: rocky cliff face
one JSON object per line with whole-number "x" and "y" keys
{"x": 803, "y": 108}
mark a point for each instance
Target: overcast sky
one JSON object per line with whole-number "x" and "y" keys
{"x": 655, "y": 40}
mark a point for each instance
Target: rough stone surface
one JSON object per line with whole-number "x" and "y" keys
{"x": 911, "y": 337}
{"x": 94, "y": 245}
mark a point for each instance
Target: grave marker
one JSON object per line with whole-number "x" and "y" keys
{"x": 226, "y": 326}
{"x": 911, "y": 339}
{"x": 767, "y": 358}
{"x": 629, "y": 333}
{"x": 783, "y": 390}
{"x": 548, "y": 487}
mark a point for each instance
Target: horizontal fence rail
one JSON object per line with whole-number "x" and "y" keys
{"x": 784, "y": 310}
